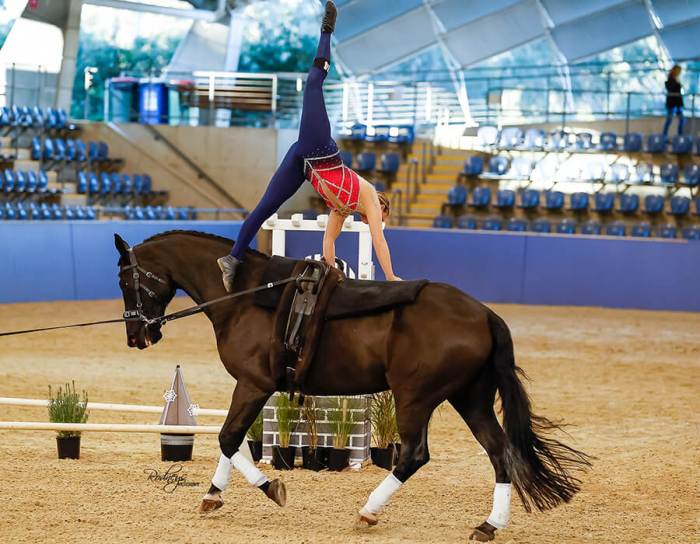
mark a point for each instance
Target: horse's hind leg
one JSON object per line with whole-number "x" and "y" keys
{"x": 246, "y": 403}
{"x": 476, "y": 408}
{"x": 412, "y": 419}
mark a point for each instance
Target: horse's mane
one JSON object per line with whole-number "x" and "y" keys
{"x": 196, "y": 234}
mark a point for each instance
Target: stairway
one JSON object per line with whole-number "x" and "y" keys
{"x": 433, "y": 193}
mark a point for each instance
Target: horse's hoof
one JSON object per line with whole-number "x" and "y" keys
{"x": 277, "y": 492}
{"x": 366, "y": 519}
{"x": 483, "y": 533}
{"x": 209, "y": 505}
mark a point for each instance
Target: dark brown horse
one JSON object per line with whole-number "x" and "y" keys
{"x": 445, "y": 346}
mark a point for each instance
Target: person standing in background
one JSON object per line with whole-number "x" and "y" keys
{"x": 674, "y": 99}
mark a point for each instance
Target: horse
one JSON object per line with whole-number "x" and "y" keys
{"x": 446, "y": 346}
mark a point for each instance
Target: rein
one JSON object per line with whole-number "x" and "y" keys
{"x": 138, "y": 315}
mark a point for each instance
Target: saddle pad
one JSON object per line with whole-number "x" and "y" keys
{"x": 351, "y": 298}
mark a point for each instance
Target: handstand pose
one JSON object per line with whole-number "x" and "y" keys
{"x": 314, "y": 157}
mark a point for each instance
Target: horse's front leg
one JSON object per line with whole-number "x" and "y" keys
{"x": 246, "y": 403}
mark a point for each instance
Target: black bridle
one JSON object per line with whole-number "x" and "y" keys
{"x": 137, "y": 314}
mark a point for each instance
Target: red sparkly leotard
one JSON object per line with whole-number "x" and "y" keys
{"x": 338, "y": 185}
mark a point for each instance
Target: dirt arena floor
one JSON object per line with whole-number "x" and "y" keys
{"x": 627, "y": 381}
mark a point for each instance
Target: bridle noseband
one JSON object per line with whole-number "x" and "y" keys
{"x": 137, "y": 314}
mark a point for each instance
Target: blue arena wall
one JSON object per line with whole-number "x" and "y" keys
{"x": 77, "y": 260}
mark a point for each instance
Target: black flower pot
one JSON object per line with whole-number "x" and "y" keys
{"x": 283, "y": 458}
{"x": 311, "y": 458}
{"x": 323, "y": 453}
{"x": 397, "y": 451}
{"x": 176, "y": 447}
{"x": 338, "y": 459}
{"x": 68, "y": 447}
{"x": 383, "y": 457}
{"x": 255, "y": 449}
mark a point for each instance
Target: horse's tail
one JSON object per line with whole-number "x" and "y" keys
{"x": 540, "y": 467}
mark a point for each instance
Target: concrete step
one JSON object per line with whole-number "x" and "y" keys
{"x": 442, "y": 177}
{"x": 73, "y": 199}
{"x": 26, "y": 165}
{"x": 419, "y": 223}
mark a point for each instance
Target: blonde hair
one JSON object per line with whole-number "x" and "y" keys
{"x": 675, "y": 71}
{"x": 384, "y": 202}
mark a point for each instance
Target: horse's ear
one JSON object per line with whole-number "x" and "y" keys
{"x": 121, "y": 245}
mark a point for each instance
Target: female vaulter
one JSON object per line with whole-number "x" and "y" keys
{"x": 314, "y": 157}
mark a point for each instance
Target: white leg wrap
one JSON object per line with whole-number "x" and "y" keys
{"x": 500, "y": 513}
{"x": 246, "y": 467}
{"x": 381, "y": 495}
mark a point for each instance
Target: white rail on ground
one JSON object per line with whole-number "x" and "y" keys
{"x": 110, "y": 406}
{"x": 109, "y": 427}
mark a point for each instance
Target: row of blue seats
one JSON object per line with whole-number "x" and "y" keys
{"x": 535, "y": 139}
{"x": 68, "y": 150}
{"x": 34, "y": 117}
{"x": 554, "y": 201}
{"x": 593, "y": 171}
{"x": 151, "y": 213}
{"x": 114, "y": 184}
{"x": 382, "y": 133}
{"x": 565, "y": 226}
{"x": 389, "y": 163}
{"x": 45, "y": 212}
{"x": 24, "y": 182}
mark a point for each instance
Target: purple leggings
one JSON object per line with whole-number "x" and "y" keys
{"x": 314, "y": 141}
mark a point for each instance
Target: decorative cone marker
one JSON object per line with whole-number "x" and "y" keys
{"x": 178, "y": 410}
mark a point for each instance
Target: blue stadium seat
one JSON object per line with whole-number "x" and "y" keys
{"x": 56, "y": 212}
{"x": 641, "y": 230}
{"x": 102, "y": 151}
{"x": 138, "y": 184}
{"x": 653, "y": 204}
{"x": 93, "y": 151}
{"x": 566, "y": 226}
{"x": 691, "y": 233}
{"x": 553, "y": 200}
{"x": 9, "y": 185}
{"x": 69, "y": 213}
{"x": 35, "y": 152}
{"x": 632, "y": 142}
{"x": 534, "y": 139}
{"x": 466, "y": 222}
{"x": 169, "y": 213}
{"x": 127, "y": 185}
{"x": 70, "y": 152}
{"x": 505, "y": 199}
{"x": 358, "y": 132}
{"x": 20, "y": 182}
{"x": 520, "y": 168}
{"x": 590, "y": 227}
{"x": 578, "y": 202}
{"x": 182, "y": 214}
{"x": 32, "y": 183}
{"x": 473, "y": 166}
{"x": 697, "y": 146}
{"x": 59, "y": 146}
{"x": 492, "y": 223}
{"x": 5, "y": 119}
{"x": 147, "y": 187}
{"x": 669, "y": 173}
{"x": 366, "y": 161}
{"x": 584, "y": 141}
{"x": 37, "y": 117}
{"x": 667, "y": 231}
{"x": 51, "y": 119}
{"x": 529, "y": 199}
{"x": 643, "y": 173}
{"x": 105, "y": 183}
{"x": 457, "y": 196}
{"x": 487, "y": 136}
{"x": 346, "y": 157}
{"x": 377, "y": 134}
{"x": 10, "y": 211}
{"x": 616, "y": 228}
{"x": 443, "y": 222}
{"x": 619, "y": 173}
{"x": 682, "y": 144}
{"x": 511, "y": 138}
{"x": 48, "y": 154}
{"x": 541, "y": 225}
{"x": 657, "y": 143}
{"x": 81, "y": 154}
{"x": 42, "y": 182}
{"x": 608, "y": 141}
{"x": 558, "y": 140}
{"x": 150, "y": 213}
{"x": 93, "y": 183}
{"x": 680, "y": 205}
{"x": 604, "y": 202}
{"x": 22, "y": 213}
{"x": 516, "y": 225}
{"x": 116, "y": 184}
{"x": 401, "y": 135}
{"x": 389, "y": 163}
{"x": 691, "y": 175}
{"x": 498, "y": 165}
{"x": 481, "y": 197}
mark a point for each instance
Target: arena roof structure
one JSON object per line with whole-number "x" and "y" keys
{"x": 376, "y": 35}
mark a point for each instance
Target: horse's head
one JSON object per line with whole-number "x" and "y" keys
{"x": 147, "y": 289}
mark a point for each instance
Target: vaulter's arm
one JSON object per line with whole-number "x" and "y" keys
{"x": 333, "y": 228}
